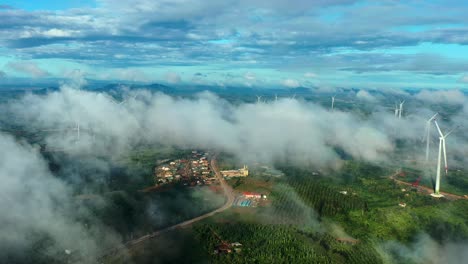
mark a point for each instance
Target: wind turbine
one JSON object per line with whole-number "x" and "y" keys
{"x": 439, "y": 160}
{"x": 396, "y": 110}
{"x": 259, "y": 97}
{"x": 77, "y": 129}
{"x": 276, "y": 97}
{"x": 428, "y": 134}
{"x": 333, "y": 102}
{"x": 401, "y": 109}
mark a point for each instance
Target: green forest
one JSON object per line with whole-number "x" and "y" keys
{"x": 345, "y": 216}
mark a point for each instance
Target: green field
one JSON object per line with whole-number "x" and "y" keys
{"x": 308, "y": 214}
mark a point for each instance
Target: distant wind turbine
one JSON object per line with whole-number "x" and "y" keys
{"x": 77, "y": 129}
{"x": 439, "y": 159}
{"x": 401, "y": 109}
{"x": 333, "y": 103}
{"x": 259, "y": 97}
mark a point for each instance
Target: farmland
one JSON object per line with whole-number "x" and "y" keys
{"x": 346, "y": 218}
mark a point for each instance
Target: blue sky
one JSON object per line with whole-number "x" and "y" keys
{"x": 255, "y": 43}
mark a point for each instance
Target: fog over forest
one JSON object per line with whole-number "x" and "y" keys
{"x": 286, "y": 130}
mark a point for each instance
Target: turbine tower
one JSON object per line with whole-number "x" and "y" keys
{"x": 333, "y": 103}
{"x": 77, "y": 129}
{"x": 428, "y": 134}
{"x": 396, "y": 110}
{"x": 401, "y": 109}
{"x": 442, "y": 138}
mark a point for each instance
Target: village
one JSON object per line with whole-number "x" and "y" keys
{"x": 192, "y": 171}
{"x": 195, "y": 170}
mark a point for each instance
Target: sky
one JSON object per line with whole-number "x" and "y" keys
{"x": 254, "y": 43}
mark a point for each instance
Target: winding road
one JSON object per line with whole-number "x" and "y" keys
{"x": 228, "y": 192}
{"x": 425, "y": 189}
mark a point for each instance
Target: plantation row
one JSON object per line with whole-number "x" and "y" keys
{"x": 326, "y": 200}
{"x": 280, "y": 244}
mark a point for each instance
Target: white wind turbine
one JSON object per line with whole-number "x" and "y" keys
{"x": 77, "y": 129}
{"x": 67, "y": 131}
{"x": 442, "y": 138}
{"x": 401, "y": 109}
{"x": 333, "y": 102}
{"x": 396, "y": 110}
{"x": 428, "y": 134}
{"x": 259, "y": 97}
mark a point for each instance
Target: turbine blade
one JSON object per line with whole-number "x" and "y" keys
{"x": 450, "y": 132}
{"x": 438, "y": 129}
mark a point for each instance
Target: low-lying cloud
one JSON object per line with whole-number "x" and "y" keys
{"x": 285, "y": 130}
{"x": 442, "y": 96}
{"x": 425, "y": 250}
{"x": 37, "y": 206}
{"x": 291, "y": 83}
{"x": 366, "y": 96}
{"x": 27, "y": 67}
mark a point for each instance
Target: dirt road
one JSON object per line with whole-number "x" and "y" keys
{"x": 229, "y": 201}
{"x": 425, "y": 189}
{"x": 228, "y": 192}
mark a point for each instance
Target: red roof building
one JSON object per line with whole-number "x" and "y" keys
{"x": 252, "y": 195}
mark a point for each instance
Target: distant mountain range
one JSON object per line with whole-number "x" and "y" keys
{"x": 117, "y": 88}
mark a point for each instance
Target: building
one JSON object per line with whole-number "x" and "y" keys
{"x": 252, "y": 195}
{"x": 244, "y": 172}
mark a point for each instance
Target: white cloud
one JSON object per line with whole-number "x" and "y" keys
{"x": 48, "y": 33}
{"x": 77, "y": 76}
{"x": 442, "y": 96}
{"x": 250, "y": 76}
{"x": 360, "y": 42}
{"x": 54, "y": 32}
{"x": 326, "y": 89}
{"x": 134, "y": 75}
{"x": 424, "y": 249}
{"x": 464, "y": 78}
{"x": 291, "y": 83}
{"x": 27, "y": 67}
{"x": 366, "y": 96}
{"x": 48, "y": 210}
{"x": 250, "y": 131}
{"x": 310, "y": 75}
{"x": 172, "y": 77}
